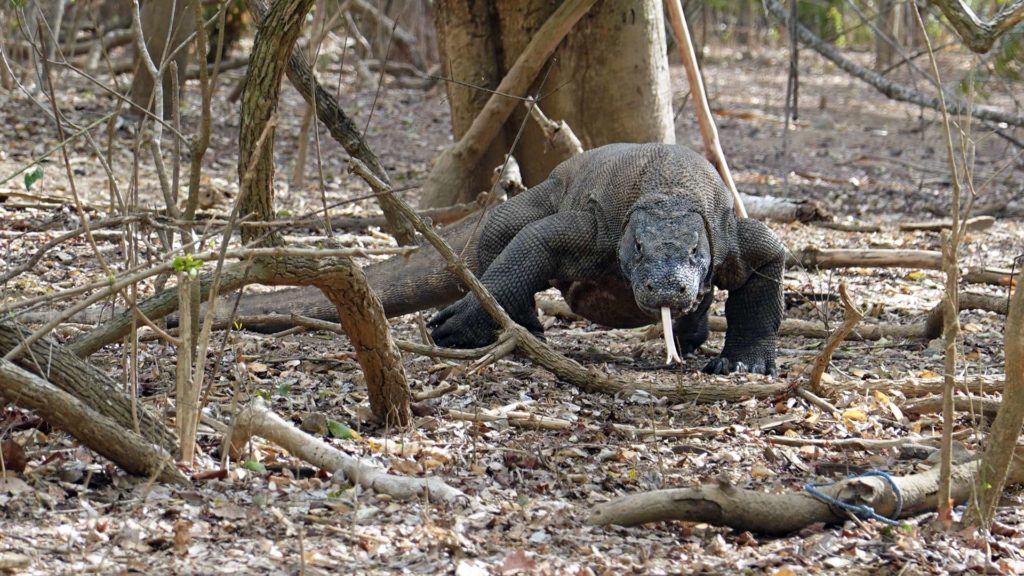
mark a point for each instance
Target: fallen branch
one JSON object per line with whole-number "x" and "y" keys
{"x": 515, "y": 418}
{"x": 955, "y": 105}
{"x": 967, "y": 301}
{"x": 100, "y": 433}
{"x": 977, "y": 34}
{"x": 885, "y": 258}
{"x": 773, "y": 513}
{"x": 256, "y": 419}
{"x": 852, "y": 315}
{"x": 89, "y": 385}
{"x": 986, "y": 407}
{"x": 974, "y": 224}
{"x": 865, "y": 444}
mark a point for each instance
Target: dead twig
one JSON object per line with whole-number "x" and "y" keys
{"x": 256, "y": 419}
{"x": 852, "y": 315}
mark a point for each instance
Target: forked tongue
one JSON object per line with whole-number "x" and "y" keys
{"x": 672, "y": 355}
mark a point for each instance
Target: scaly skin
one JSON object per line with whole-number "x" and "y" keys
{"x": 621, "y": 230}
{"x": 656, "y": 218}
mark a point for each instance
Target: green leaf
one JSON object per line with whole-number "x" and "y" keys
{"x": 33, "y": 176}
{"x": 339, "y": 430}
{"x": 187, "y": 264}
{"x": 254, "y": 466}
{"x": 284, "y": 389}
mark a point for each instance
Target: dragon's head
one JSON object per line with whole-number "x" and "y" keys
{"x": 665, "y": 255}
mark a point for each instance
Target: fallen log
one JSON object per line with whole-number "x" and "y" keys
{"x": 886, "y": 258}
{"x": 88, "y": 384}
{"x": 772, "y": 513}
{"x": 101, "y": 434}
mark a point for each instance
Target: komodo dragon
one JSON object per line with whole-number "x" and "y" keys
{"x": 624, "y": 231}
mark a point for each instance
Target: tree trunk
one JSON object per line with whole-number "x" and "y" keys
{"x": 612, "y": 64}
{"x": 273, "y": 44}
{"x": 358, "y": 307}
{"x": 888, "y": 23}
{"x": 1007, "y": 426}
{"x": 470, "y": 52}
{"x": 165, "y": 25}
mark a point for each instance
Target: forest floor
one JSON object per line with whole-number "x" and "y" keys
{"x": 870, "y": 160}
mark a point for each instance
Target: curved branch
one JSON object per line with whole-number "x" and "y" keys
{"x": 975, "y": 33}
{"x": 893, "y": 90}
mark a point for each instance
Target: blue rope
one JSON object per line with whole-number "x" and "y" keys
{"x": 862, "y": 510}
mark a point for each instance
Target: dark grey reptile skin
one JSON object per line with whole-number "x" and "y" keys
{"x": 654, "y": 217}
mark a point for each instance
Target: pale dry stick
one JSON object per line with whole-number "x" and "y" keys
{"x": 158, "y": 102}
{"x": 516, "y": 418}
{"x": 852, "y": 315}
{"x": 440, "y": 390}
{"x": 186, "y": 394}
{"x": 559, "y": 135}
{"x": 708, "y": 130}
{"x": 822, "y": 404}
{"x": 257, "y": 419}
{"x": 505, "y": 345}
{"x": 950, "y": 247}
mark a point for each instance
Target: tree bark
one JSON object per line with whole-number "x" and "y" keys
{"x": 611, "y": 65}
{"x": 470, "y": 50}
{"x": 100, "y": 433}
{"x": 341, "y": 128}
{"x": 86, "y": 383}
{"x": 975, "y": 33}
{"x": 274, "y": 40}
{"x": 887, "y": 23}
{"x": 995, "y": 465}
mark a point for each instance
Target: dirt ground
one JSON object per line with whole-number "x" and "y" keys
{"x": 531, "y": 490}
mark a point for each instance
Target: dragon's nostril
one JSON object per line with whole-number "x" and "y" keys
{"x": 649, "y": 285}
{"x": 682, "y": 290}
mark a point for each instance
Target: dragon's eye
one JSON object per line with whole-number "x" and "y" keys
{"x": 693, "y": 251}
{"x": 639, "y": 248}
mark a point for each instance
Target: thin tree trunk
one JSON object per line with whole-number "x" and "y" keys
{"x": 1007, "y": 427}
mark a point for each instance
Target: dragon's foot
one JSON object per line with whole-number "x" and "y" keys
{"x": 740, "y": 363}
{"x": 463, "y": 325}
